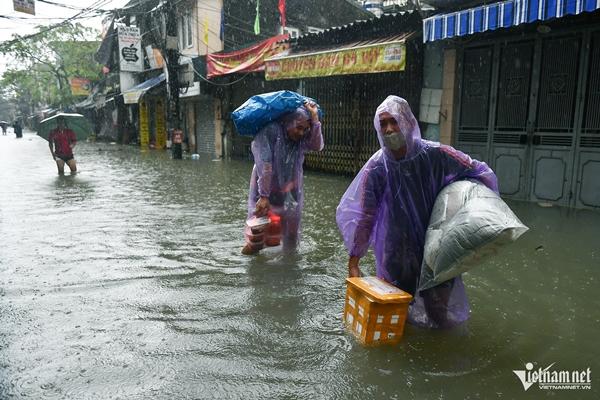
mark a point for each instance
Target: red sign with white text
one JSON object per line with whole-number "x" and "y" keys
{"x": 250, "y": 59}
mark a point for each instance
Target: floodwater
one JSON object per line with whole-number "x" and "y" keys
{"x": 126, "y": 281}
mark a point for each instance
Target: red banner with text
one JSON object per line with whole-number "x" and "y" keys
{"x": 251, "y": 59}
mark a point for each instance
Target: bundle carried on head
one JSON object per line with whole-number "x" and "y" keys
{"x": 261, "y": 109}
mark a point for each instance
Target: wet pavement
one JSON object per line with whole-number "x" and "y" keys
{"x": 125, "y": 281}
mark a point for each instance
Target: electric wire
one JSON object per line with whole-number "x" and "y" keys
{"x": 19, "y": 38}
{"x": 84, "y": 13}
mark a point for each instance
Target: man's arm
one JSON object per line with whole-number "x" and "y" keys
{"x": 353, "y": 268}
{"x": 72, "y": 139}
{"x": 361, "y": 240}
{"x": 261, "y": 150}
{"x": 357, "y": 212}
{"x": 459, "y": 166}
{"x": 314, "y": 141}
{"x": 51, "y": 145}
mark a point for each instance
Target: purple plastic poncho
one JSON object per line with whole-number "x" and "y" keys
{"x": 278, "y": 171}
{"x": 388, "y": 205}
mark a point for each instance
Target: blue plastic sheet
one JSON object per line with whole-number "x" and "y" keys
{"x": 261, "y": 109}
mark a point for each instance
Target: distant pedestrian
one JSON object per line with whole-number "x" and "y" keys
{"x": 18, "y": 129}
{"x": 3, "y": 125}
{"x": 62, "y": 140}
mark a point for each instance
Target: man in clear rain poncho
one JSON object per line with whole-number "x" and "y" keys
{"x": 389, "y": 203}
{"x": 276, "y": 183}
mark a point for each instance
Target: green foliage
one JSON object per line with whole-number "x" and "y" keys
{"x": 46, "y": 61}
{"x": 6, "y": 109}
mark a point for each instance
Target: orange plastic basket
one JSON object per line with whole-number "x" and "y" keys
{"x": 375, "y": 311}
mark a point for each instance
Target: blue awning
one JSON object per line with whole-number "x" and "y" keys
{"x": 131, "y": 96}
{"x": 501, "y": 15}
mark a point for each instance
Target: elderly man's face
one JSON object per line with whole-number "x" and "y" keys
{"x": 60, "y": 123}
{"x": 297, "y": 131}
{"x": 388, "y": 123}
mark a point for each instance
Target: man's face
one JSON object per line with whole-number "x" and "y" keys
{"x": 296, "y": 132}
{"x": 60, "y": 123}
{"x": 388, "y": 123}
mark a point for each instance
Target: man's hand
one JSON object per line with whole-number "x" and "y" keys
{"x": 262, "y": 207}
{"x": 353, "y": 269}
{"x": 313, "y": 110}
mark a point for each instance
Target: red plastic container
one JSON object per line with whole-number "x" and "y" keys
{"x": 273, "y": 232}
{"x": 255, "y": 232}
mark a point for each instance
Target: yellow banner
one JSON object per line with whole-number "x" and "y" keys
{"x": 144, "y": 130}
{"x": 360, "y": 60}
{"x": 161, "y": 129}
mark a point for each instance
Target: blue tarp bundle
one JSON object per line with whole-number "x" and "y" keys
{"x": 261, "y": 109}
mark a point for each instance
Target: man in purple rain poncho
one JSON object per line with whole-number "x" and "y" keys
{"x": 389, "y": 203}
{"x": 277, "y": 177}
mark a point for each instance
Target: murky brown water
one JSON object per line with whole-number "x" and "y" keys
{"x": 126, "y": 281}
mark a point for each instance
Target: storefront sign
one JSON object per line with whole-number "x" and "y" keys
{"x": 25, "y": 6}
{"x": 155, "y": 58}
{"x": 190, "y": 91}
{"x": 161, "y": 128}
{"x": 130, "y": 49}
{"x": 133, "y": 94}
{"x": 250, "y": 59}
{"x": 144, "y": 128}
{"x": 80, "y": 86}
{"x": 360, "y": 60}
{"x": 132, "y": 97}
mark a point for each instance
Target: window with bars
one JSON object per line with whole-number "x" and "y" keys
{"x": 188, "y": 34}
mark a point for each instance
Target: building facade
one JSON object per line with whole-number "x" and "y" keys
{"x": 519, "y": 86}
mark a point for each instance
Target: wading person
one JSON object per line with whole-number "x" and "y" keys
{"x": 62, "y": 140}
{"x": 389, "y": 203}
{"x": 276, "y": 183}
{"x": 18, "y": 129}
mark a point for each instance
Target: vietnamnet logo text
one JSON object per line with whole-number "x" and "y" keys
{"x": 546, "y": 378}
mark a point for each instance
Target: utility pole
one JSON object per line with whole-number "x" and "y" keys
{"x": 172, "y": 58}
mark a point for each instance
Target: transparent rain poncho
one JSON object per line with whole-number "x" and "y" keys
{"x": 278, "y": 171}
{"x": 388, "y": 205}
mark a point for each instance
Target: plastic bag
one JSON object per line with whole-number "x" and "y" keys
{"x": 468, "y": 224}
{"x": 259, "y": 110}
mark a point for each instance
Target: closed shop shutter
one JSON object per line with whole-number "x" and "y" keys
{"x": 205, "y": 125}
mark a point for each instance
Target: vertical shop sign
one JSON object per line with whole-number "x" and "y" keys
{"x": 130, "y": 49}
{"x": 161, "y": 129}
{"x": 144, "y": 129}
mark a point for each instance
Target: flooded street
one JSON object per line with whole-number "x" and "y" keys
{"x": 126, "y": 281}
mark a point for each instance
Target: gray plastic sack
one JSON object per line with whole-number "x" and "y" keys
{"x": 469, "y": 223}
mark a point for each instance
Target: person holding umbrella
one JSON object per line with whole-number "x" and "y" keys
{"x": 61, "y": 141}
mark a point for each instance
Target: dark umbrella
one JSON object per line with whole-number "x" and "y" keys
{"x": 76, "y": 122}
